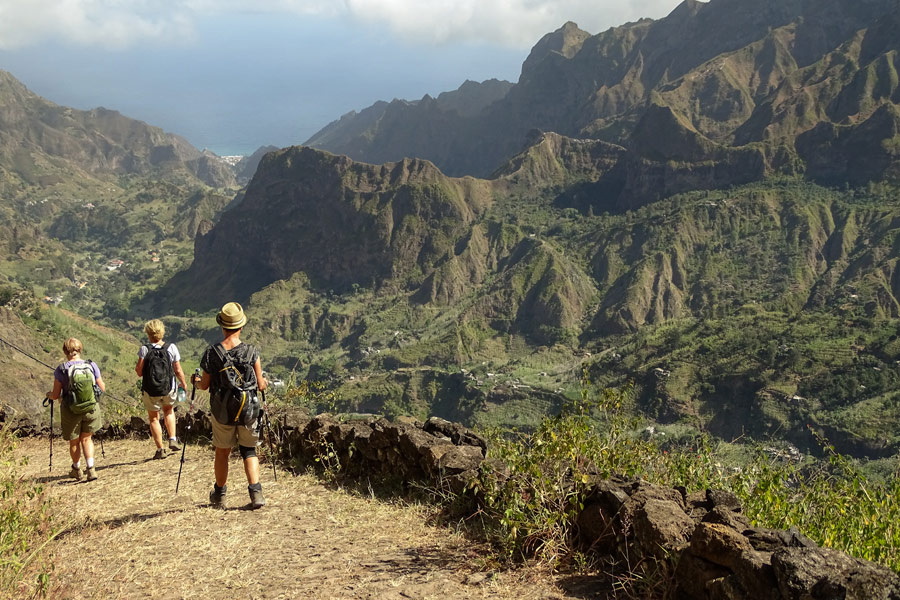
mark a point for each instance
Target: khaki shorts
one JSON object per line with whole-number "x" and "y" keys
{"x": 155, "y": 403}
{"x": 73, "y": 425}
{"x": 225, "y": 436}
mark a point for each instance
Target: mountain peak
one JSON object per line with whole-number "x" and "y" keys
{"x": 565, "y": 41}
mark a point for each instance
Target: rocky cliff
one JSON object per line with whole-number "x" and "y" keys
{"x": 739, "y": 88}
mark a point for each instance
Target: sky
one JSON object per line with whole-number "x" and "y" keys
{"x": 233, "y": 75}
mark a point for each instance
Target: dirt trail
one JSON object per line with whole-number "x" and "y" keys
{"x": 130, "y": 536}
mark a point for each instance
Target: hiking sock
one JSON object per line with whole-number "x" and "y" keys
{"x": 255, "y": 487}
{"x": 76, "y": 465}
{"x": 90, "y": 463}
{"x": 173, "y": 439}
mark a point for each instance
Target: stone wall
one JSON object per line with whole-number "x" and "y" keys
{"x": 717, "y": 554}
{"x": 713, "y": 549}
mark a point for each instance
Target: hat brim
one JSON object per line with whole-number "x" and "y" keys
{"x": 240, "y": 323}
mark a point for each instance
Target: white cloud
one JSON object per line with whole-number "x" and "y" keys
{"x": 109, "y": 23}
{"x": 118, "y": 23}
{"x": 509, "y": 22}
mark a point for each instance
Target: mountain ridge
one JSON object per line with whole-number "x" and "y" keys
{"x": 36, "y": 133}
{"x": 733, "y": 73}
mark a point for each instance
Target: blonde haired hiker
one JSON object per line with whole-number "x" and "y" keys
{"x": 159, "y": 365}
{"x": 233, "y": 375}
{"x": 74, "y": 381}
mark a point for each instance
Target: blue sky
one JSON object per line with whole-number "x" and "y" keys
{"x": 232, "y": 75}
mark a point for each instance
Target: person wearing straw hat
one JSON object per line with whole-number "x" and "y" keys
{"x": 232, "y": 351}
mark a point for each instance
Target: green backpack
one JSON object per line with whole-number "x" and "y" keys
{"x": 80, "y": 397}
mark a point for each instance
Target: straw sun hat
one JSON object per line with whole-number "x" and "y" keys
{"x": 231, "y": 316}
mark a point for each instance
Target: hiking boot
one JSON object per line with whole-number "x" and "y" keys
{"x": 75, "y": 473}
{"x": 217, "y": 496}
{"x": 91, "y": 474}
{"x": 256, "y": 498}
{"x": 160, "y": 453}
{"x": 173, "y": 445}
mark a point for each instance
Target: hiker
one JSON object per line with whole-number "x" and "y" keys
{"x": 232, "y": 373}
{"x": 79, "y": 414}
{"x": 159, "y": 365}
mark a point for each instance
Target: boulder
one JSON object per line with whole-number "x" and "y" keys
{"x": 822, "y": 573}
{"x": 661, "y": 527}
{"x": 724, "y": 516}
{"x": 694, "y": 576}
{"x": 456, "y": 433}
{"x": 719, "y": 544}
{"x": 459, "y": 459}
{"x": 769, "y": 540}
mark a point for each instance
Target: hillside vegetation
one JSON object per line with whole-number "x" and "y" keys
{"x": 713, "y": 221}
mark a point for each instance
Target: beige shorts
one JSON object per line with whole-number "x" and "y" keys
{"x": 226, "y": 436}
{"x": 73, "y": 425}
{"x": 156, "y": 403}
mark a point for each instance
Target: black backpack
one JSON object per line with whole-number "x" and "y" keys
{"x": 158, "y": 371}
{"x": 234, "y": 400}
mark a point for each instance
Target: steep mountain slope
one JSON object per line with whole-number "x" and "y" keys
{"x": 84, "y": 194}
{"x": 408, "y": 279}
{"x": 342, "y": 222}
{"x": 42, "y": 141}
{"x": 390, "y": 131}
{"x": 809, "y": 85}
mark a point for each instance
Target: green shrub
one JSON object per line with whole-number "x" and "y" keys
{"x": 531, "y": 513}
{"x": 26, "y": 525}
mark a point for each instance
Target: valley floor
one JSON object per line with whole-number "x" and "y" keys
{"x": 128, "y": 535}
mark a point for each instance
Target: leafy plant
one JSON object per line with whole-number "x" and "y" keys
{"x": 26, "y": 526}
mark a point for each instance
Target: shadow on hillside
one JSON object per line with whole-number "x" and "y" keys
{"x": 413, "y": 560}
{"x": 589, "y": 587}
{"x": 61, "y": 478}
{"x": 117, "y": 522}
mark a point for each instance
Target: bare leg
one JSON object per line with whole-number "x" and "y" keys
{"x": 169, "y": 417}
{"x": 87, "y": 443}
{"x": 75, "y": 450}
{"x": 251, "y": 468}
{"x": 155, "y": 428}
{"x": 221, "y": 466}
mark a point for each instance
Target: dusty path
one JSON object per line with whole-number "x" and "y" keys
{"x": 130, "y": 536}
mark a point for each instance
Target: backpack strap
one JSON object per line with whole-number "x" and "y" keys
{"x": 224, "y": 357}
{"x": 220, "y": 350}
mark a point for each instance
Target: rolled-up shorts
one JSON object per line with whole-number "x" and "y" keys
{"x": 73, "y": 425}
{"x": 226, "y": 436}
{"x": 156, "y": 403}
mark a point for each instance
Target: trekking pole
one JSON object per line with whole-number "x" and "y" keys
{"x": 97, "y": 393}
{"x": 50, "y": 402}
{"x": 188, "y": 425}
{"x": 269, "y": 433}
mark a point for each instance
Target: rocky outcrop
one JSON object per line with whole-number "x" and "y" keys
{"x": 715, "y": 552}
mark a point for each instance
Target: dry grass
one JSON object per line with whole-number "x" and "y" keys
{"x": 130, "y": 536}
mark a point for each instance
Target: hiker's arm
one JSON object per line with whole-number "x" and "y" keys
{"x": 179, "y": 373}
{"x": 261, "y": 382}
{"x": 100, "y": 384}
{"x": 57, "y": 389}
{"x": 139, "y": 367}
